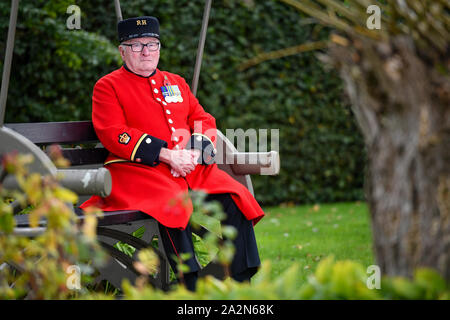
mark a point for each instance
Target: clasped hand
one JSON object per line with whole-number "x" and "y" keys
{"x": 181, "y": 162}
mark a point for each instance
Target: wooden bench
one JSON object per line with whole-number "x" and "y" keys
{"x": 75, "y": 137}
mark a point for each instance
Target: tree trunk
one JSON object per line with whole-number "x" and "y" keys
{"x": 401, "y": 103}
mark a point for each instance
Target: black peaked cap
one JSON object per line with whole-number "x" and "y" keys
{"x": 137, "y": 28}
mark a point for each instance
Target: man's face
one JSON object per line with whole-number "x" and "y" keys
{"x": 144, "y": 62}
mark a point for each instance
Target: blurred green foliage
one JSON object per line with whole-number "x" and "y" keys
{"x": 44, "y": 266}
{"x": 321, "y": 149}
{"x": 333, "y": 280}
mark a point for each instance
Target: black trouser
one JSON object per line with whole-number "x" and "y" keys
{"x": 246, "y": 259}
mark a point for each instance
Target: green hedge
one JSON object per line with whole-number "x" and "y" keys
{"x": 53, "y": 69}
{"x": 321, "y": 149}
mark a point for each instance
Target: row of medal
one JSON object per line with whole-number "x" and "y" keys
{"x": 171, "y": 94}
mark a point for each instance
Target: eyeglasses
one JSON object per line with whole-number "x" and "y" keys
{"x": 138, "y": 47}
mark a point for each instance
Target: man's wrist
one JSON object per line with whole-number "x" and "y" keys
{"x": 164, "y": 155}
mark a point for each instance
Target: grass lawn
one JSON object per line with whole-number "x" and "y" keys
{"x": 307, "y": 234}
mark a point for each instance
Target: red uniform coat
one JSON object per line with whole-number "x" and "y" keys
{"x": 133, "y": 121}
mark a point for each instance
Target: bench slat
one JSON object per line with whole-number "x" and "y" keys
{"x": 56, "y": 132}
{"x": 108, "y": 218}
{"x": 78, "y": 157}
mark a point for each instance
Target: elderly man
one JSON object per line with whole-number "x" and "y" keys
{"x": 161, "y": 144}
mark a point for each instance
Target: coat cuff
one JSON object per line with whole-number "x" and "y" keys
{"x": 147, "y": 150}
{"x": 204, "y": 144}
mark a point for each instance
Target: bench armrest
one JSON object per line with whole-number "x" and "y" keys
{"x": 86, "y": 181}
{"x": 81, "y": 181}
{"x": 263, "y": 163}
